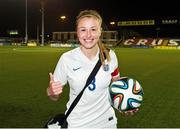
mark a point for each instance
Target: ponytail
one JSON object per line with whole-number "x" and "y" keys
{"x": 104, "y": 53}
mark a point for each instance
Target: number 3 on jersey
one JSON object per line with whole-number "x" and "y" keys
{"x": 92, "y": 86}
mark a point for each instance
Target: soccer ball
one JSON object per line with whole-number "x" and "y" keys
{"x": 126, "y": 94}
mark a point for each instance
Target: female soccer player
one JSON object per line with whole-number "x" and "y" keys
{"x": 94, "y": 109}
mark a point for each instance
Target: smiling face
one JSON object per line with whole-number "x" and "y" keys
{"x": 88, "y": 31}
{"x": 88, "y": 28}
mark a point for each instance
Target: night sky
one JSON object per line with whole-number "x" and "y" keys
{"x": 12, "y": 13}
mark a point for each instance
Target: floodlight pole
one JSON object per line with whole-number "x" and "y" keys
{"x": 38, "y": 34}
{"x": 26, "y": 24}
{"x": 42, "y": 14}
{"x": 157, "y": 32}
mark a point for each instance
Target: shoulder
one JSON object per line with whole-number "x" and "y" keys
{"x": 112, "y": 53}
{"x": 70, "y": 53}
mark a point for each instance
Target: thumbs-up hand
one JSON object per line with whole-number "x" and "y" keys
{"x": 55, "y": 88}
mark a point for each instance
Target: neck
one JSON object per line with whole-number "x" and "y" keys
{"x": 90, "y": 53}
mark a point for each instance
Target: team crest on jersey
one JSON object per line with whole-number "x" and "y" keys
{"x": 106, "y": 67}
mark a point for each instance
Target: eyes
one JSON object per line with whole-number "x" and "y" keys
{"x": 85, "y": 29}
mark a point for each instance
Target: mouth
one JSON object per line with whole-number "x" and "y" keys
{"x": 88, "y": 40}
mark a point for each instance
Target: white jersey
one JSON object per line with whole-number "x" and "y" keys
{"x": 93, "y": 109}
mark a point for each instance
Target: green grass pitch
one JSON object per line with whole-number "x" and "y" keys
{"x": 24, "y": 79}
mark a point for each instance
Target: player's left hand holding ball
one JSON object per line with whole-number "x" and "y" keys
{"x": 130, "y": 112}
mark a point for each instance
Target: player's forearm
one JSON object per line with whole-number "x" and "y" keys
{"x": 115, "y": 78}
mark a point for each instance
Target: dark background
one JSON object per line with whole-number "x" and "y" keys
{"x": 12, "y": 15}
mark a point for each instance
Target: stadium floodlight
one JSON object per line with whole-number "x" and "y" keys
{"x": 112, "y": 23}
{"x": 42, "y": 14}
{"x": 26, "y": 23}
{"x": 63, "y": 17}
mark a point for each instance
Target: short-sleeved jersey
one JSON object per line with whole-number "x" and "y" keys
{"x": 93, "y": 109}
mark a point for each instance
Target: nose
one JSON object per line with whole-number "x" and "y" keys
{"x": 88, "y": 33}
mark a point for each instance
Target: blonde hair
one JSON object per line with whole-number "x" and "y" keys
{"x": 104, "y": 51}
